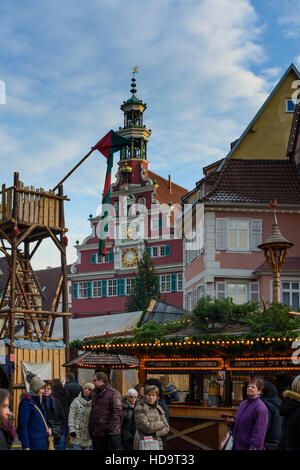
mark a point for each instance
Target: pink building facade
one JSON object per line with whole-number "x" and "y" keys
{"x": 234, "y": 197}
{"x": 141, "y": 217}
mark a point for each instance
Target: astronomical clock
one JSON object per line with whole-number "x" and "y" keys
{"x": 129, "y": 257}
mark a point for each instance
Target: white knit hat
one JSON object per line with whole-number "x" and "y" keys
{"x": 131, "y": 392}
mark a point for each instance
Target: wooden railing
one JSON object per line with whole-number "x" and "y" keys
{"x": 30, "y": 205}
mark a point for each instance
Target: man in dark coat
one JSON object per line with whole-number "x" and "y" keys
{"x": 72, "y": 388}
{"x": 105, "y": 418}
{"x": 290, "y": 411}
{"x": 273, "y": 402}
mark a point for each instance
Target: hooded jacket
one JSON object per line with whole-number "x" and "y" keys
{"x": 150, "y": 420}
{"x": 31, "y": 427}
{"x": 290, "y": 431}
{"x": 274, "y": 419}
{"x": 105, "y": 418}
{"x": 250, "y": 425}
{"x": 79, "y": 415}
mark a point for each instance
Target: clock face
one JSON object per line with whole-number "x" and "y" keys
{"x": 129, "y": 257}
{"x": 130, "y": 232}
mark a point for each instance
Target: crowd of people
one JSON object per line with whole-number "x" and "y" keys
{"x": 97, "y": 417}
{"x": 264, "y": 421}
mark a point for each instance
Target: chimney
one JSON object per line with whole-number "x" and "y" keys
{"x": 170, "y": 184}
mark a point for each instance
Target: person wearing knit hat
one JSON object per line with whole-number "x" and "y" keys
{"x": 79, "y": 415}
{"x": 127, "y": 419}
{"x": 31, "y": 429}
{"x": 36, "y": 385}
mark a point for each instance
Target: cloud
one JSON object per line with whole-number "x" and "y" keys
{"x": 66, "y": 65}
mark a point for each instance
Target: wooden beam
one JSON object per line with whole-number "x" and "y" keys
{"x": 35, "y": 248}
{"x": 73, "y": 169}
{"x": 59, "y": 246}
{"x": 25, "y": 234}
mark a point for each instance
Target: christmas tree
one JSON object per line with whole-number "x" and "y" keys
{"x": 145, "y": 285}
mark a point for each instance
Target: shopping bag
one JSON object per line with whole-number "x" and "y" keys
{"x": 51, "y": 443}
{"x": 227, "y": 441}
{"x": 148, "y": 443}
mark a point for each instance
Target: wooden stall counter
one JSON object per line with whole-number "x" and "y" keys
{"x": 195, "y": 427}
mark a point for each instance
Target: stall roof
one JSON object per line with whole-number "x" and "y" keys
{"x": 92, "y": 360}
{"x": 80, "y": 328}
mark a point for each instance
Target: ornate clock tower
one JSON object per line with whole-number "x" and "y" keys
{"x": 132, "y": 181}
{"x": 141, "y": 204}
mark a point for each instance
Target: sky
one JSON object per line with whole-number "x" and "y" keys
{"x": 205, "y": 68}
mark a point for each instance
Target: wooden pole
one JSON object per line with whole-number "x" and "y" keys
{"x": 12, "y": 303}
{"x": 64, "y": 288}
{"x": 73, "y": 169}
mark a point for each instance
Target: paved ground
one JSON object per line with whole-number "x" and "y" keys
{"x": 17, "y": 445}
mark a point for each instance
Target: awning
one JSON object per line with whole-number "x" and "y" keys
{"x": 92, "y": 360}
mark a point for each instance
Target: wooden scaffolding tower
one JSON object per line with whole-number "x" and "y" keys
{"x": 27, "y": 217}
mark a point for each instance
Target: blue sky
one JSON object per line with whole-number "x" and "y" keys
{"x": 205, "y": 68}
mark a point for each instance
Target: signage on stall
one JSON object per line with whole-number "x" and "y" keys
{"x": 261, "y": 363}
{"x": 182, "y": 365}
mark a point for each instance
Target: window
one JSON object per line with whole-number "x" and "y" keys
{"x": 165, "y": 283}
{"x": 96, "y": 288}
{"x": 289, "y": 106}
{"x": 290, "y": 293}
{"x": 254, "y": 292}
{"x": 238, "y": 234}
{"x": 155, "y": 251}
{"x": 220, "y": 290}
{"x": 156, "y": 223}
{"x": 82, "y": 290}
{"x": 238, "y": 293}
{"x": 190, "y": 301}
{"x": 179, "y": 281}
{"x": 162, "y": 250}
{"x": 128, "y": 285}
{"x": 112, "y": 287}
{"x": 200, "y": 292}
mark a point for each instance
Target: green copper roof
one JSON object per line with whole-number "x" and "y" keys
{"x": 133, "y": 99}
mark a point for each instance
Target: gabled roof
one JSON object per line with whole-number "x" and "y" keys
{"x": 295, "y": 132}
{"x": 256, "y": 181}
{"x": 238, "y": 142}
{"x": 163, "y": 193}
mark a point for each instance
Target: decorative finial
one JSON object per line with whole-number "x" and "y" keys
{"x": 273, "y": 206}
{"x": 133, "y": 84}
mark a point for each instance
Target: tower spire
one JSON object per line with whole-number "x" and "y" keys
{"x": 133, "y": 80}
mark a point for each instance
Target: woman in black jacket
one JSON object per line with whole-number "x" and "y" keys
{"x": 273, "y": 402}
{"x": 127, "y": 419}
{"x": 7, "y": 431}
{"x": 60, "y": 394}
{"x": 290, "y": 411}
{"x": 54, "y": 412}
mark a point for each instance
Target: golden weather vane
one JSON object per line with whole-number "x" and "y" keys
{"x": 134, "y": 70}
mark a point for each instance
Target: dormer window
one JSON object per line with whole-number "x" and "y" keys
{"x": 289, "y": 106}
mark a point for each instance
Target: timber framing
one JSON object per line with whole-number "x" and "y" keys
{"x": 27, "y": 217}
